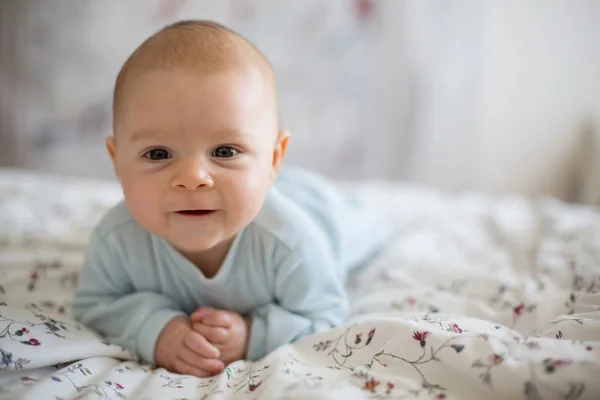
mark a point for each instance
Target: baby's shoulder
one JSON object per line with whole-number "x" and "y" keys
{"x": 284, "y": 221}
{"x": 118, "y": 224}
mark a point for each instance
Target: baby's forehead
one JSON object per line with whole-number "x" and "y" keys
{"x": 197, "y": 46}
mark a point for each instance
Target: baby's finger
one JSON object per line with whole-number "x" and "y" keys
{"x": 218, "y": 318}
{"x": 183, "y": 367}
{"x": 200, "y": 313}
{"x": 214, "y": 334}
{"x": 207, "y": 364}
{"x": 198, "y": 344}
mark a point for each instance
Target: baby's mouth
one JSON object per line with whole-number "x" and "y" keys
{"x": 196, "y": 213}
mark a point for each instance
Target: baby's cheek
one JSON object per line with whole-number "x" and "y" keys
{"x": 142, "y": 201}
{"x": 249, "y": 199}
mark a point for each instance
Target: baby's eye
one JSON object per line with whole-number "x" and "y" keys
{"x": 224, "y": 152}
{"x": 158, "y": 154}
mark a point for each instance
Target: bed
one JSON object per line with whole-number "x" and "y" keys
{"x": 475, "y": 298}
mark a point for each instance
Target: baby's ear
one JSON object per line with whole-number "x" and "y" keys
{"x": 281, "y": 145}
{"x": 110, "y": 147}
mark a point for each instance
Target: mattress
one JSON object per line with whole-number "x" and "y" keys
{"x": 475, "y": 298}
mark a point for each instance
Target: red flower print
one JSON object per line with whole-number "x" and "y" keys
{"x": 418, "y": 335}
{"x": 179, "y": 387}
{"x": 24, "y": 330}
{"x": 253, "y": 387}
{"x": 456, "y": 328}
{"x": 440, "y": 396}
{"x": 358, "y": 338}
{"x": 370, "y": 385}
{"x": 34, "y": 342}
{"x": 518, "y": 310}
{"x": 552, "y": 364}
{"x": 421, "y": 336}
{"x": 370, "y": 336}
{"x": 389, "y": 387}
{"x": 119, "y": 386}
{"x": 495, "y": 359}
{"x": 411, "y": 300}
{"x": 560, "y": 363}
{"x": 588, "y": 348}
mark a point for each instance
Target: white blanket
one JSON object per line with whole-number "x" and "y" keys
{"x": 476, "y": 298}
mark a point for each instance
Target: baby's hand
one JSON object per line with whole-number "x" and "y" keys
{"x": 182, "y": 350}
{"x": 227, "y": 330}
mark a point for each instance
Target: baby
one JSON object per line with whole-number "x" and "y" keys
{"x": 214, "y": 256}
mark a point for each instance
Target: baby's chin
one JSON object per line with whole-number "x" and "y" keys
{"x": 198, "y": 244}
{"x": 193, "y": 244}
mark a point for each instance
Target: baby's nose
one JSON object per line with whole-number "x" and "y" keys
{"x": 192, "y": 176}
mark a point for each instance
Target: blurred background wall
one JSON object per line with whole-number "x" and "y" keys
{"x": 500, "y": 96}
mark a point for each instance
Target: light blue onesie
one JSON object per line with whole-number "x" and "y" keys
{"x": 285, "y": 270}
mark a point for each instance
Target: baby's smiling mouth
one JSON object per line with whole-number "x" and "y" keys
{"x": 195, "y": 213}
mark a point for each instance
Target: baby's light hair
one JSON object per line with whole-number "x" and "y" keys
{"x": 196, "y": 45}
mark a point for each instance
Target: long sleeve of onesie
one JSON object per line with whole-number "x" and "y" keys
{"x": 309, "y": 297}
{"x": 107, "y": 302}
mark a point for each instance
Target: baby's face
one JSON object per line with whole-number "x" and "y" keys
{"x": 195, "y": 154}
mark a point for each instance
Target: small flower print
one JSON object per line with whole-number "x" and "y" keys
{"x": 34, "y": 342}
{"x": 388, "y": 387}
{"x": 370, "y": 336}
{"x": 434, "y": 309}
{"x": 322, "y": 345}
{"x": 421, "y": 336}
{"x": 119, "y": 386}
{"x": 458, "y": 347}
{"x": 495, "y": 359}
{"x": 358, "y": 338}
{"x": 7, "y": 358}
{"x": 253, "y": 387}
{"x": 560, "y": 363}
{"x": 370, "y": 385}
{"x": 454, "y": 328}
{"x": 559, "y": 335}
{"x": 440, "y": 396}
{"x": 486, "y": 377}
{"x": 588, "y": 348}
{"x": 411, "y": 300}
{"x": 518, "y": 310}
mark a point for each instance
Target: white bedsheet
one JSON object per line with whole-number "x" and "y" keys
{"x": 475, "y": 299}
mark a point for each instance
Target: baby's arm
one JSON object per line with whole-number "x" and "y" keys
{"x": 107, "y": 302}
{"x": 310, "y": 297}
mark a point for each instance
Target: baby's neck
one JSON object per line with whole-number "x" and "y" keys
{"x": 209, "y": 261}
